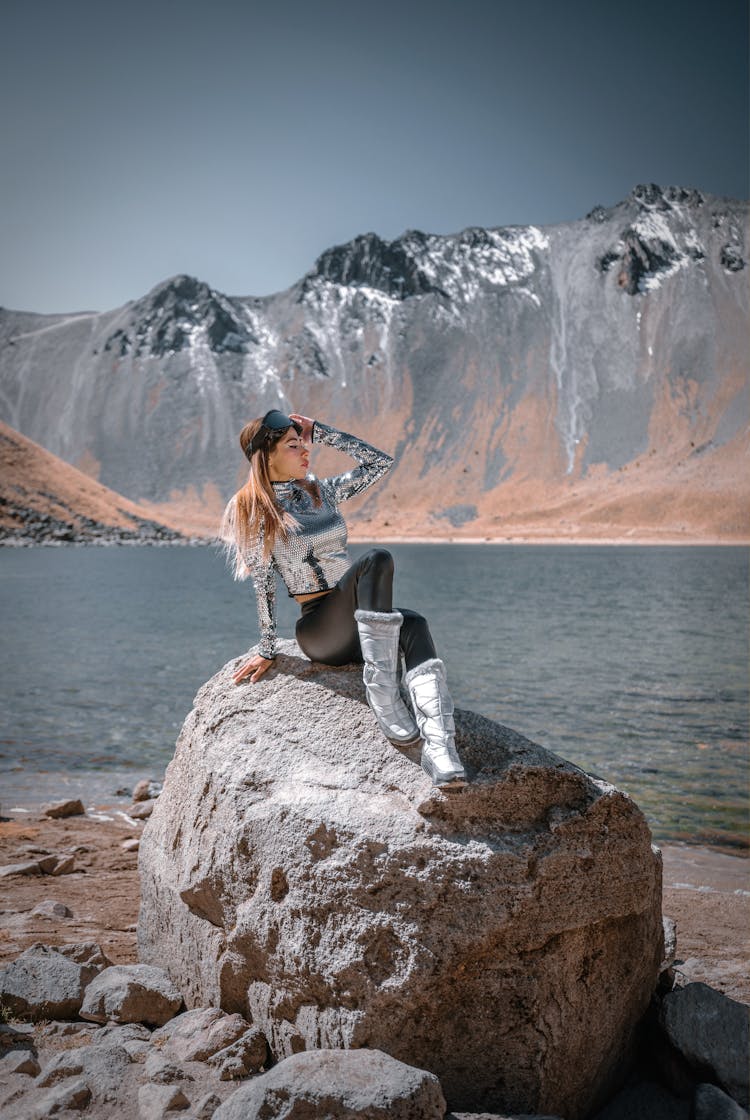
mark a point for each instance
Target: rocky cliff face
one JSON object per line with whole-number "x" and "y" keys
{"x": 591, "y": 373}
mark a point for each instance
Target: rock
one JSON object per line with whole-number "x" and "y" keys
{"x": 70, "y": 808}
{"x": 247, "y": 1055}
{"x": 195, "y": 1035}
{"x": 18, "y": 1035}
{"x": 19, "y": 1061}
{"x": 710, "y": 1103}
{"x": 146, "y": 790}
{"x": 28, "y": 867}
{"x": 339, "y": 1085}
{"x": 670, "y": 943}
{"x": 138, "y": 1051}
{"x": 206, "y": 1106}
{"x": 131, "y": 993}
{"x": 154, "y": 1101}
{"x": 141, "y": 810}
{"x": 159, "y": 1069}
{"x": 645, "y": 1100}
{"x": 64, "y": 866}
{"x": 712, "y": 1032}
{"x": 51, "y": 909}
{"x": 62, "y": 1066}
{"x": 131, "y": 845}
{"x": 120, "y": 1033}
{"x": 496, "y": 1116}
{"x": 64, "y": 1098}
{"x": 66, "y": 1029}
{"x": 87, "y": 953}
{"x": 103, "y": 1068}
{"x": 48, "y": 863}
{"x": 46, "y": 983}
{"x": 303, "y": 872}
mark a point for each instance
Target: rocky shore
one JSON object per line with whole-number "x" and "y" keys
{"x": 34, "y": 528}
{"x": 72, "y": 880}
{"x": 299, "y": 924}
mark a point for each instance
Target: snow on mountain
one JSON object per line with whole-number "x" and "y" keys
{"x": 510, "y": 370}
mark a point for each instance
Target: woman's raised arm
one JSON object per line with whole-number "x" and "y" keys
{"x": 373, "y": 464}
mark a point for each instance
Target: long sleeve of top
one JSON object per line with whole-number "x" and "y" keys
{"x": 313, "y": 557}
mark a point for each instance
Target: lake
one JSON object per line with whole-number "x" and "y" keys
{"x": 630, "y": 661}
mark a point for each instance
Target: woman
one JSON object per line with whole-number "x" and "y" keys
{"x": 287, "y": 521}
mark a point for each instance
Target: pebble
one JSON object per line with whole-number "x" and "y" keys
{"x": 65, "y": 1098}
{"x": 206, "y": 1106}
{"x": 123, "y": 1032}
{"x": 146, "y": 789}
{"x": 140, "y": 810}
{"x": 246, "y": 1055}
{"x": 69, "y": 808}
{"x": 56, "y": 1029}
{"x": 28, "y": 867}
{"x": 64, "y": 1065}
{"x": 19, "y": 1061}
{"x": 48, "y": 862}
{"x": 51, "y": 909}
{"x": 155, "y": 1100}
{"x": 158, "y": 1068}
{"x": 64, "y": 866}
{"x": 131, "y": 845}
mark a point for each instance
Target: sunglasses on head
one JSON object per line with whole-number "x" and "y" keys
{"x": 273, "y": 425}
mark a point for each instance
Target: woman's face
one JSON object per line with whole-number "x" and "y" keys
{"x": 290, "y": 458}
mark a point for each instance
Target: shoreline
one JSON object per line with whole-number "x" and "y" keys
{"x": 357, "y": 538}
{"x": 357, "y": 535}
{"x": 605, "y": 542}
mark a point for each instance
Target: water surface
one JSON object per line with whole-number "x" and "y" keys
{"x": 630, "y": 661}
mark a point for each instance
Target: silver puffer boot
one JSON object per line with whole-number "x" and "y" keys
{"x": 433, "y": 708}
{"x": 378, "y": 637}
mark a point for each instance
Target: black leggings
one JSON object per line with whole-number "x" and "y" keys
{"x": 327, "y": 629}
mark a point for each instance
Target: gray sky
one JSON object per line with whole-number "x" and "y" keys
{"x": 237, "y": 140}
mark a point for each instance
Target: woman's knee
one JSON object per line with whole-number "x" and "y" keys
{"x": 415, "y": 624}
{"x": 380, "y": 559}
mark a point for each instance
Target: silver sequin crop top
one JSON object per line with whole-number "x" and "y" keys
{"x": 313, "y": 557}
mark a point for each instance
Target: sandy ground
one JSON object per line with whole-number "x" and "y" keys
{"x": 706, "y": 892}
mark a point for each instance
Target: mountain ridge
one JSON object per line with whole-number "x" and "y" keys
{"x": 509, "y": 369}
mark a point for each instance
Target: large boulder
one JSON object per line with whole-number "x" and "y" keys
{"x": 301, "y": 871}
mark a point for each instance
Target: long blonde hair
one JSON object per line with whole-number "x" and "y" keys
{"x": 253, "y": 519}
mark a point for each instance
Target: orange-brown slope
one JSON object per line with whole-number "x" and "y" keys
{"x": 694, "y": 496}
{"x": 43, "y": 498}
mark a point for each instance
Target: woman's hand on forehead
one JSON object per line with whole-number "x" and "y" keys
{"x": 305, "y": 423}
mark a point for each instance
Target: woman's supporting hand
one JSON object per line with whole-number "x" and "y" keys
{"x": 307, "y": 425}
{"x": 254, "y": 668}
